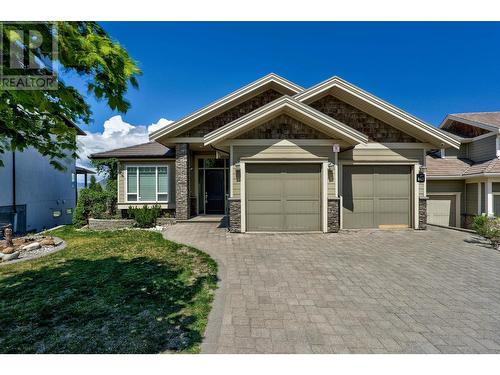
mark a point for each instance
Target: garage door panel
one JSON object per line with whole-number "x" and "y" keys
{"x": 359, "y": 215}
{"x": 264, "y": 206}
{"x": 392, "y": 185}
{"x": 265, "y": 222}
{"x": 391, "y": 211}
{"x": 358, "y": 182}
{"x": 302, "y": 207}
{"x": 302, "y": 222}
{"x": 283, "y": 197}
{"x": 441, "y": 210}
{"x": 376, "y": 195}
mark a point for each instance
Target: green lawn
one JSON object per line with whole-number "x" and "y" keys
{"x": 107, "y": 292}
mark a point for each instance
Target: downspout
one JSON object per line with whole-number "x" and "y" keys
{"x": 14, "y": 181}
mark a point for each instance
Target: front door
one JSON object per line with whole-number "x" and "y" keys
{"x": 214, "y": 191}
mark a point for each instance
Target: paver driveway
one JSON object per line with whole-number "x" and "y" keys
{"x": 369, "y": 291}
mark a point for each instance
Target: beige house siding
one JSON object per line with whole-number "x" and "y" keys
{"x": 121, "y": 179}
{"x": 483, "y": 149}
{"x": 383, "y": 155}
{"x": 281, "y": 153}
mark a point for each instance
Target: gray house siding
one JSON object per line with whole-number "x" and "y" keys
{"x": 483, "y": 149}
{"x": 471, "y": 199}
{"x": 40, "y": 189}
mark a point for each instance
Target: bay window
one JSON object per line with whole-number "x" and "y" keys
{"x": 147, "y": 183}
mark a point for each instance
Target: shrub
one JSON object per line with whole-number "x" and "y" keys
{"x": 91, "y": 203}
{"x": 145, "y": 216}
{"x": 488, "y": 227}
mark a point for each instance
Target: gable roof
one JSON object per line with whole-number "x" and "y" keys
{"x": 484, "y": 120}
{"x": 140, "y": 151}
{"x": 379, "y": 108}
{"x": 271, "y": 80}
{"x": 290, "y": 106}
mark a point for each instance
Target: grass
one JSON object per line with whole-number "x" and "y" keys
{"x": 107, "y": 292}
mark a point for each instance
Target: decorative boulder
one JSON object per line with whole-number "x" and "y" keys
{"x": 8, "y": 250}
{"x": 19, "y": 241}
{"x": 7, "y": 257}
{"x": 47, "y": 242}
{"x": 31, "y": 246}
{"x": 57, "y": 241}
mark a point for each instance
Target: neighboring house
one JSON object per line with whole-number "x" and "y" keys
{"x": 464, "y": 183}
{"x": 277, "y": 157}
{"x": 33, "y": 194}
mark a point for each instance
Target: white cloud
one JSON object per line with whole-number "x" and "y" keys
{"x": 117, "y": 134}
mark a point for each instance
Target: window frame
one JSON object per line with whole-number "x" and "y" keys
{"x": 155, "y": 166}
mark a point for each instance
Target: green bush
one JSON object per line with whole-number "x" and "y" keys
{"x": 480, "y": 224}
{"x": 488, "y": 227}
{"x": 145, "y": 217}
{"x": 91, "y": 203}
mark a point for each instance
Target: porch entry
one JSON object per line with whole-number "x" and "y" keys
{"x": 212, "y": 186}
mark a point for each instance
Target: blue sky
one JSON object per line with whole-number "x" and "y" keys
{"x": 427, "y": 69}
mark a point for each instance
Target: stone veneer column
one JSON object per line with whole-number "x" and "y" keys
{"x": 422, "y": 213}
{"x": 182, "y": 201}
{"x": 333, "y": 215}
{"x": 234, "y": 215}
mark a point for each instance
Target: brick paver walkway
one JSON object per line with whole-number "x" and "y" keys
{"x": 369, "y": 291}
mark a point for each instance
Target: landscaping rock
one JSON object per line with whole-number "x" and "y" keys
{"x": 19, "y": 241}
{"x": 7, "y": 257}
{"x": 32, "y": 246}
{"x": 57, "y": 241}
{"x": 8, "y": 250}
{"x": 47, "y": 242}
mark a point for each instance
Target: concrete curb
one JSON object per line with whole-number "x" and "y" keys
{"x": 214, "y": 324}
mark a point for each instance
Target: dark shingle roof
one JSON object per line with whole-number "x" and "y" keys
{"x": 141, "y": 151}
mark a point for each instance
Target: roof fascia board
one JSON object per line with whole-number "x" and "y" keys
{"x": 270, "y": 78}
{"x": 479, "y": 137}
{"x": 280, "y": 104}
{"x": 378, "y": 103}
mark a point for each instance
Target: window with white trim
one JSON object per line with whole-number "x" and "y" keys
{"x": 147, "y": 184}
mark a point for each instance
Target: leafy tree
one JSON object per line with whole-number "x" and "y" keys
{"x": 91, "y": 203}
{"x": 42, "y": 118}
{"x": 94, "y": 185}
{"x": 109, "y": 169}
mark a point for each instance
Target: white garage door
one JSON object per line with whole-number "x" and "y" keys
{"x": 441, "y": 210}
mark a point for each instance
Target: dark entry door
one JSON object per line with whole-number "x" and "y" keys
{"x": 214, "y": 191}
